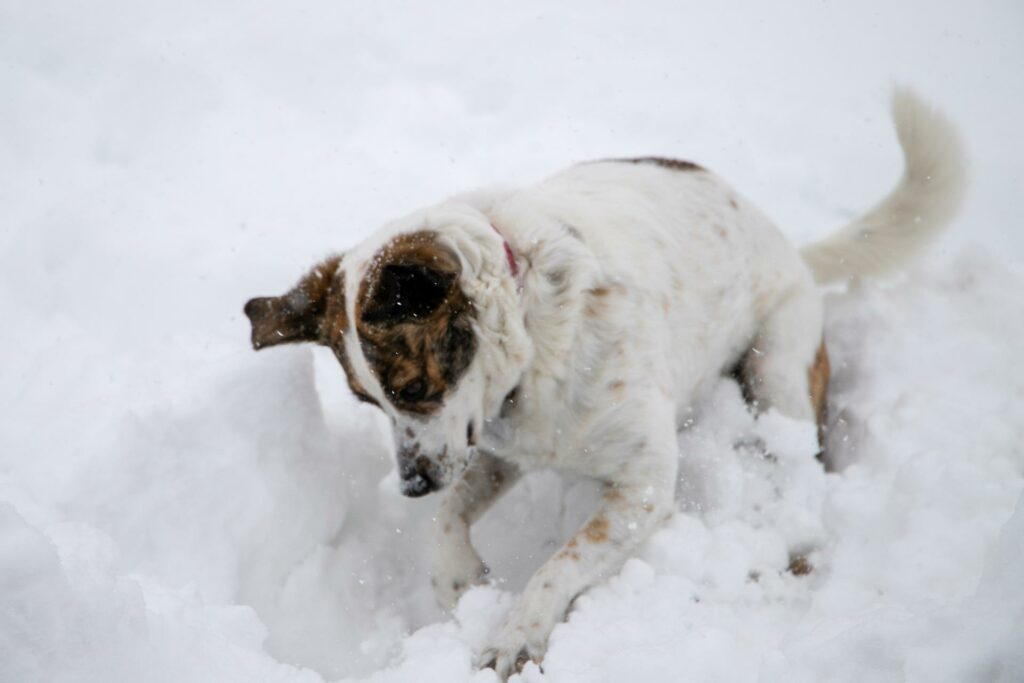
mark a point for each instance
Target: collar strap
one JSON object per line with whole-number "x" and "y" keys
{"x": 512, "y": 265}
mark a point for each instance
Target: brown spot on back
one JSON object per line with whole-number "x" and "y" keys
{"x": 596, "y": 530}
{"x": 414, "y": 321}
{"x": 664, "y": 162}
{"x": 817, "y": 379}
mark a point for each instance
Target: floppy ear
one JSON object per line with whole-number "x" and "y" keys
{"x": 297, "y": 316}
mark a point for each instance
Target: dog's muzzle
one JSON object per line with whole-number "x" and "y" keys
{"x": 419, "y": 475}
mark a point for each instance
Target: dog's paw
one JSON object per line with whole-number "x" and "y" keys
{"x": 509, "y": 658}
{"x": 523, "y": 639}
{"x": 454, "y": 574}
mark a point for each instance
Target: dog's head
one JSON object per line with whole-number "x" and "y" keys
{"x": 402, "y": 315}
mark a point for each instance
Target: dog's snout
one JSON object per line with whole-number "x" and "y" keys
{"x": 416, "y": 471}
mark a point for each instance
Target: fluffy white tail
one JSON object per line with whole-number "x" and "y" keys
{"x": 923, "y": 203}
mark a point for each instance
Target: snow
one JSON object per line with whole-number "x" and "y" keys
{"x": 174, "y": 507}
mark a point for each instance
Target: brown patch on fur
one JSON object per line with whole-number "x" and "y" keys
{"x": 297, "y": 316}
{"x": 613, "y": 495}
{"x": 720, "y": 231}
{"x": 732, "y": 203}
{"x": 596, "y": 303}
{"x": 572, "y": 543}
{"x": 817, "y": 382}
{"x": 648, "y": 507}
{"x": 312, "y": 311}
{"x": 672, "y": 164}
{"x": 418, "y": 347}
{"x": 817, "y": 379}
{"x": 596, "y": 530}
{"x": 799, "y": 565}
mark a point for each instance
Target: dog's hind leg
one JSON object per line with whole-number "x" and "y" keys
{"x": 787, "y": 366}
{"x": 456, "y": 563}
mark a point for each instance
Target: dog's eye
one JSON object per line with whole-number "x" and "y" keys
{"x": 413, "y": 392}
{"x": 406, "y": 293}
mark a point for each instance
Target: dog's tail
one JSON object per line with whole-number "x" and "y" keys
{"x": 923, "y": 203}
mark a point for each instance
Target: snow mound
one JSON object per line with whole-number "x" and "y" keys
{"x": 237, "y": 530}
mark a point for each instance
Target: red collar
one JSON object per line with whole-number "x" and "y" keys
{"x": 512, "y": 265}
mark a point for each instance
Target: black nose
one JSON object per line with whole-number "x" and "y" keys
{"x": 417, "y": 479}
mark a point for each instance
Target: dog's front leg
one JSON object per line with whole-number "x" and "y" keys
{"x": 627, "y": 515}
{"x": 456, "y": 564}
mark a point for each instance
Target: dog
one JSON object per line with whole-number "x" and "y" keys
{"x": 576, "y": 324}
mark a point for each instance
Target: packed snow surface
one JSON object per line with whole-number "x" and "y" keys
{"x": 174, "y": 507}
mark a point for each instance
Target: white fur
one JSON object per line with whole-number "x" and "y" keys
{"x": 639, "y": 286}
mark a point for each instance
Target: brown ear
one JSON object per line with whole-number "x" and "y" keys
{"x": 296, "y": 316}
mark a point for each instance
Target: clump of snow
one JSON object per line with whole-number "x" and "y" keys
{"x": 174, "y": 507}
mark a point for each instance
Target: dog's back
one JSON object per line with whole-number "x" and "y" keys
{"x": 675, "y": 255}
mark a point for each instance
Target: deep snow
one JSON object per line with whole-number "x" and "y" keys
{"x": 174, "y": 507}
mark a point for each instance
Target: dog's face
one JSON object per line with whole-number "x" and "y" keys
{"x": 402, "y": 329}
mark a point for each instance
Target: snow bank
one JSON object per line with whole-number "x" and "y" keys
{"x": 174, "y": 507}
{"x": 216, "y": 535}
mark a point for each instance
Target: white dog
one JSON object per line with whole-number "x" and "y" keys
{"x": 574, "y": 324}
